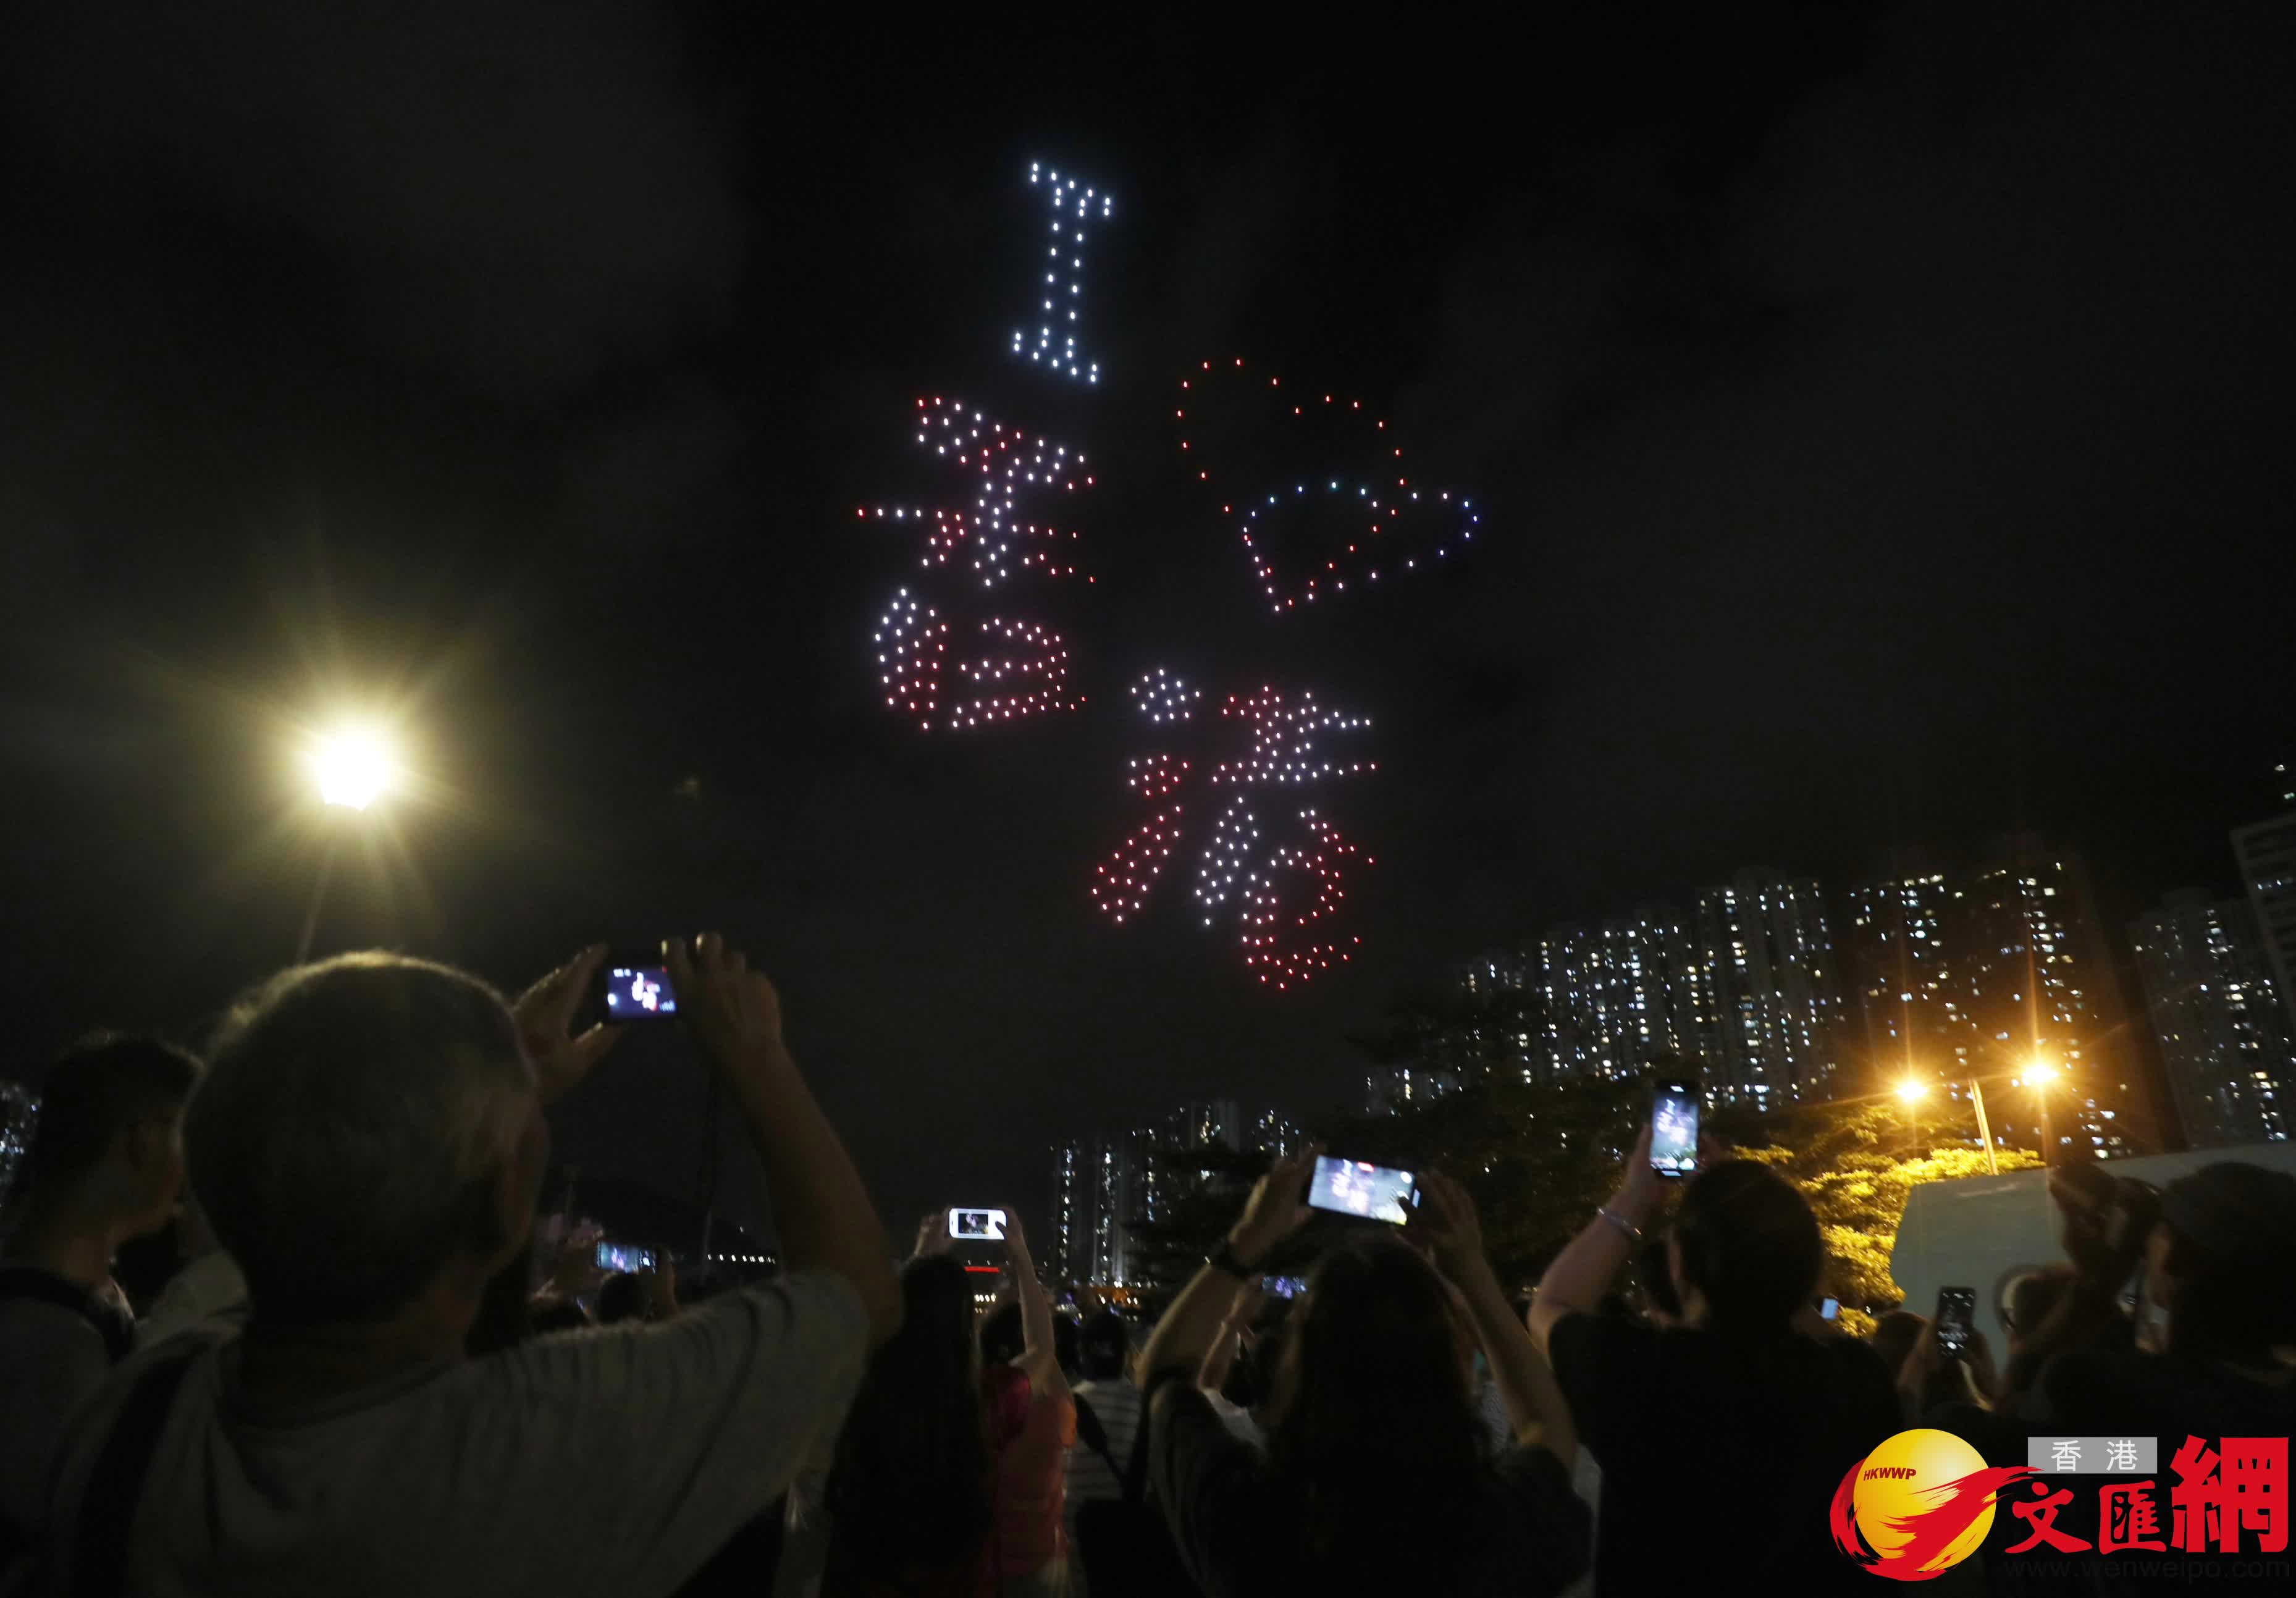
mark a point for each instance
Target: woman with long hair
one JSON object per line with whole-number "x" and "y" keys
{"x": 1379, "y": 1473}
{"x": 910, "y": 1488}
{"x": 945, "y": 1482}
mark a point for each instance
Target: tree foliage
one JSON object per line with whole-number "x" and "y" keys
{"x": 1857, "y": 1163}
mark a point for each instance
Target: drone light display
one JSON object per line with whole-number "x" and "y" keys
{"x": 1073, "y": 205}
{"x": 1376, "y": 519}
{"x": 1162, "y": 697}
{"x": 1006, "y": 464}
{"x": 1285, "y": 939}
{"x": 1019, "y": 668}
{"x": 1282, "y": 942}
{"x": 1125, "y": 878}
{"x": 1343, "y": 512}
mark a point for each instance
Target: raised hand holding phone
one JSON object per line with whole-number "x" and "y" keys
{"x": 932, "y": 1236}
{"x": 1014, "y": 1238}
{"x": 1641, "y": 1188}
{"x": 574, "y": 1267}
{"x": 1276, "y": 1207}
{"x": 733, "y": 1013}
{"x": 1447, "y": 1223}
{"x": 820, "y": 1206}
{"x": 544, "y": 1017}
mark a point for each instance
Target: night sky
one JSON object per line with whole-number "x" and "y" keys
{"x": 1879, "y": 419}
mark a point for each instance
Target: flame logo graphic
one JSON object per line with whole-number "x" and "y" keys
{"x": 1919, "y": 1522}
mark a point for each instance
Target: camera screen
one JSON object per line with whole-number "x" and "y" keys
{"x": 623, "y": 1257}
{"x": 639, "y": 993}
{"x": 1674, "y": 1129}
{"x": 1355, "y": 1187}
{"x": 977, "y": 1225}
{"x": 1283, "y": 1287}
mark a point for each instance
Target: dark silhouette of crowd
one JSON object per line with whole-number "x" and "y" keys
{"x": 370, "y": 1374}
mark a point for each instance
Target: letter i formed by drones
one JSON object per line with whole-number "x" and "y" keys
{"x": 960, "y": 649}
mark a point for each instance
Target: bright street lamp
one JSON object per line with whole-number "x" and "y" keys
{"x": 351, "y": 768}
{"x": 1912, "y": 1089}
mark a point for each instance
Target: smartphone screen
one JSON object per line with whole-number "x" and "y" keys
{"x": 1956, "y": 1311}
{"x": 977, "y": 1225}
{"x": 1829, "y": 1309}
{"x": 1674, "y": 1129}
{"x": 623, "y": 1257}
{"x": 639, "y": 993}
{"x": 1283, "y": 1287}
{"x": 1358, "y": 1187}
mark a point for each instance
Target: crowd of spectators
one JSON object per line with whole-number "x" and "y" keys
{"x": 369, "y": 1376}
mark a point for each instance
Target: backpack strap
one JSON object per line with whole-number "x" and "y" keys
{"x": 1094, "y": 1436}
{"x": 1135, "y": 1474}
{"x": 45, "y": 1287}
{"x": 115, "y": 1484}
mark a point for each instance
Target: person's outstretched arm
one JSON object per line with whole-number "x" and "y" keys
{"x": 1575, "y": 1283}
{"x": 821, "y": 1210}
{"x": 1040, "y": 1353}
{"x": 1535, "y": 1405}
{"x": 1273, "y": 1212}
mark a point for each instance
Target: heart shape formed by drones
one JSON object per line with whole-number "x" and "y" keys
{"x": 1372, "y": 521}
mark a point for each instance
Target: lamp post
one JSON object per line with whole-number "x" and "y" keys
{"x": 351, "y": 770}
{"x": 1984, "y": 1131}
{"x": 1912, "y": 1090}
{"x": 2040, "y": 1074}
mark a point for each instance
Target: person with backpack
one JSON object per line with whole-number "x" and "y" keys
{"x": 1121, "y": 1546}
{"x": 106, "y": 1165}
{"x": 1108, "y": 1411}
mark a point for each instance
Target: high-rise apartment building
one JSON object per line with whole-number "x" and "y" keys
{"x": 2031, "y": 968}
{"x": 1071, "y": 1254}
{"x": 1278, "y": 1133}
{"x": 1610, "y": 997}
{"x": 1984, "y": 975}
{"x": 2267, "y": 868}
{"x": 1205, "y": 1123}
{"x": 1767, "y": 953}
{"x": 1910, "y": 1019}
{"x": 2225, "y": 1039}
{"x": 1123, "y": 1196}
{"x": 1388, "y": 1088}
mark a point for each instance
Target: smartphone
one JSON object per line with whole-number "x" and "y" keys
{"x": 1674, "y": 1127}
{"x": 623, "y": 1257}
{"x": 1956, "y": 1312}
{"x": 637, "y": 993}
{"x": 1377, "y": 1193}
{"x": 1829, "y": 1309}
{"x": 976, "y": 1226}
{"x": 1283, "y": 1287}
